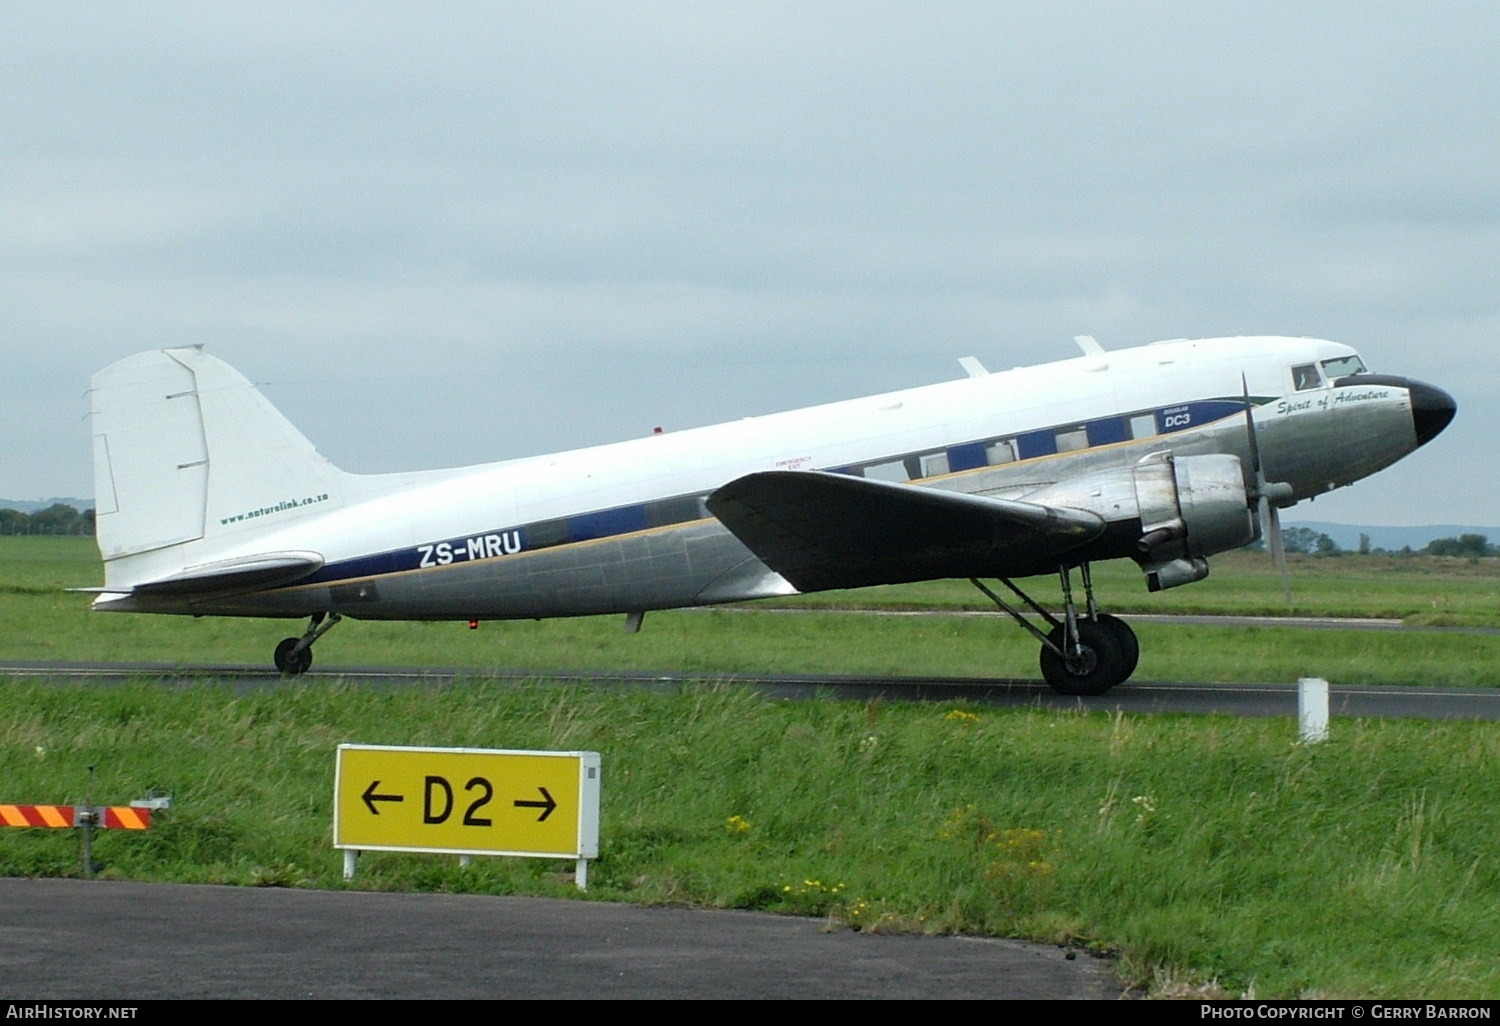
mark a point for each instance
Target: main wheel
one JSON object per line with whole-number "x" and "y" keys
{"x": 289, "y": 664}
{"x": 1130, "y": 645}
{"x": 1097, "y": 666}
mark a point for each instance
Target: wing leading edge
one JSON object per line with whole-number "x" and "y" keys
{"x": 822, "y": 530}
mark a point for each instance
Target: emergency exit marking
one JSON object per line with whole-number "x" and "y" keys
{"x": 467, "y": 801}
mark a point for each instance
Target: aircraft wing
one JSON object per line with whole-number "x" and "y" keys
{"x": 822, "y": 530}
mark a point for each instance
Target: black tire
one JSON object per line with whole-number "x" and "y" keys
{"x": 1130, "y": 645}
{"x": 289, "y": 664}
{"x": 1094, "y": 670}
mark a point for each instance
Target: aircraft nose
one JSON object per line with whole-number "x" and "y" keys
{"x": 1431, "y": 410}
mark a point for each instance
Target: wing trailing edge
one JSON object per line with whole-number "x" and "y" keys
{"x": 822, "y": 530}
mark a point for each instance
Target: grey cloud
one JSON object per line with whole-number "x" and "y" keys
{"x": 599, "y": 209}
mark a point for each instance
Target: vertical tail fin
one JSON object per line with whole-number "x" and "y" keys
{"x": 187, "y": 451}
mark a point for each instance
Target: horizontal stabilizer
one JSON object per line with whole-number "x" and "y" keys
{"x": 263, "y": 571}
{"x": 821, "y": 530}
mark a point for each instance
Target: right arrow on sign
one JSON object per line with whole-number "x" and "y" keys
{"x": 546, "y": 804}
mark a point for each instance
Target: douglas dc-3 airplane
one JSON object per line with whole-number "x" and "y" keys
{"x": 209, "y": 502}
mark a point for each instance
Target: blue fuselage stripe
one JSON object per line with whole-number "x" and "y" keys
{"x": 622, "y": 520}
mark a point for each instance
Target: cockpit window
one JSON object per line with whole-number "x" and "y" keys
{"x": 1343, "y": 367}
{"x": 1305, "y": 377}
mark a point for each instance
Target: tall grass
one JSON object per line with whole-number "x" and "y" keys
{"x": 1197, "y": 848}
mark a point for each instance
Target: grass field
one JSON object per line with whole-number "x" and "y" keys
{"x": 1428, "y": 590}
{"x": 1213, "y": 855}
{"x": 1202, "y": 850}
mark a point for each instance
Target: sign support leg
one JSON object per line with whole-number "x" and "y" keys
{"x": 88, "y": 844}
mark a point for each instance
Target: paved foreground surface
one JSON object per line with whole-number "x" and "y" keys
{"x": 110, "y": 940}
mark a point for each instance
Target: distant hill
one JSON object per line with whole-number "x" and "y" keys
{"x": 32, "y": 505}
{"x": 1392, "y": 538}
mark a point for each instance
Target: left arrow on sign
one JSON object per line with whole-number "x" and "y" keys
{"x": 371, "y": 797}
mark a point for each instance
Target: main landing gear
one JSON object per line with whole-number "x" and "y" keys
{"x": 294, "y": 655}
{"x": 1081, "y": 655}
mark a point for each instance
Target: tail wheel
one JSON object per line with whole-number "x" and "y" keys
{"x": 290, "y": 664}
{"x": 1095, "y": 666}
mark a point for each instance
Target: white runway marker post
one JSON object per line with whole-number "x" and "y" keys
{"x": 1312, "y": 710}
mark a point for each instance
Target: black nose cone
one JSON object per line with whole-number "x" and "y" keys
{"x": 1431, "y": 410}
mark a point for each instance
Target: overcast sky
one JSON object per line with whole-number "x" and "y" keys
{"x": 439, "y": 234}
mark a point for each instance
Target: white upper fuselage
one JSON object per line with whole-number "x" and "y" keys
{"x": 839, "y": 434}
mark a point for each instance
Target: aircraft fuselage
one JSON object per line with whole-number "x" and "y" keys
{"x": 624, "y": 527}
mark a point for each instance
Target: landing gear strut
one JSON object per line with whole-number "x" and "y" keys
{"x": 1081, "y": 655}
{"x": 294, "y": 655}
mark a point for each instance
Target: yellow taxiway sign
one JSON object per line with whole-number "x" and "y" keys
{"x": 467, "y": 801}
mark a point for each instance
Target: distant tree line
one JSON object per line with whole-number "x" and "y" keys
{"x": 58, "y": 518}
{"x": 1306, "y": 541}
{"x": 1471, "y": 545}
{"x": 1309, "y": 542}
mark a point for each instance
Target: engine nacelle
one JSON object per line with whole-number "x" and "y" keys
{"x": 1188, "y": 508}
{"x": 1191, "y": 507}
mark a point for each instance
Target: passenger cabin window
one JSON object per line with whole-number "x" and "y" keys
{"x": 1305, "y": 377}
{"x": 1000, "y": 452}
{"x": 1072, "y": 439}
{"x": 935, "y": 464}
{"x": 1143, "y": 425}
{"x": 893, "y": 470}
{"x": 1343, "y": 367}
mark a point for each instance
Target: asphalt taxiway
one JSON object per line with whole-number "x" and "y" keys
{"x": 1250, "y": 699}
{"x": 118, "y": 941}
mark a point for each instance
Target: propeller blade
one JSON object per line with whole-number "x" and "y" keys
{"x": 1255, "y": 467}
{"x": 1270, "y": 518}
